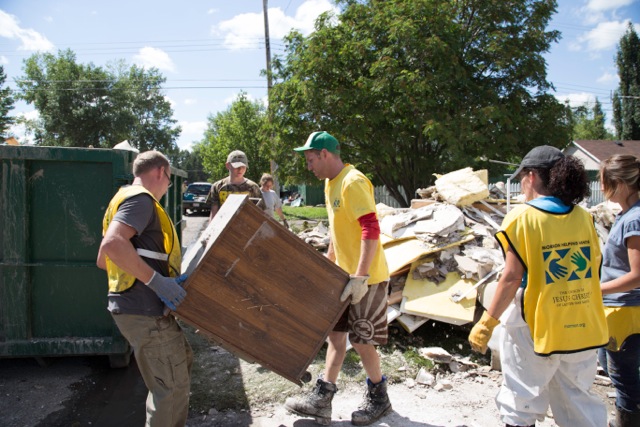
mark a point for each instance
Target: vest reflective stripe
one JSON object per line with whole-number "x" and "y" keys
{"x": 119, "y": 280}
{"x": 153, "y": 255}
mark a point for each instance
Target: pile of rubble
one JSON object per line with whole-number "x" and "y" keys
{"x": 442, "y": 253}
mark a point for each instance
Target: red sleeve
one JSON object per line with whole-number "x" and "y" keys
{"x": 370, "y": 226}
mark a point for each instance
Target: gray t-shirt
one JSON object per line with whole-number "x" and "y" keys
{"x": 139, "y": 212}
{"x": 271, "y": 202}
{"x": 615, "y": 257}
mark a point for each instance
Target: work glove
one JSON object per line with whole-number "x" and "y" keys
{"x": 285, "y": 223}
{"x": 481, "y": 332}
{"x": 168, "y": 290}
{"x": 356, "y": 287}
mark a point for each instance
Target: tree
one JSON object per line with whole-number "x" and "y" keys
{"x": 626, "y": 99}
{"x": 417, "y": 87}
{"x": 139, "y": 111}
{"x": 191, "y": 163}
{"x": 82, "y": 105}
{"x": 6, "y": 104}
{"x": 589, "y": 123}
{"x": 241, "y": 127}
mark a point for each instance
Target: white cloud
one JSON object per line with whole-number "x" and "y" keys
{"x": 212, "y": 11}
{"x": 30, "y": 39}
{"x": 605, "y": 36}
{"x": 152, "y": 57}
{"x": 607, "y": 77}
{"x": 577, "y": 99}
{"x": 191, "y": 132}
{"x": 48, "y": 18}
{"x": 19, "y": 131}
{"x": 190, "y": 101}
{"x": 170, "y": 101}
{"x": 247, "y": 29}
{"x": 604, "y": 5}
{"x": 3, "y": 60}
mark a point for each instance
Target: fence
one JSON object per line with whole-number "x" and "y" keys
{"x": 596, "y": 197}
{"x": 382, "y": 195}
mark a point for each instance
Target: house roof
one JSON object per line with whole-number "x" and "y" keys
{"x": 602, "y": 149}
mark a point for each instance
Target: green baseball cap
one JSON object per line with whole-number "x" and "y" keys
{"x": 321, "y": 140}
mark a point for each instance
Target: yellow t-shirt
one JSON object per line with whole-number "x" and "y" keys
{"x": 562, "y": 302}
{"x": 348, "y": 197}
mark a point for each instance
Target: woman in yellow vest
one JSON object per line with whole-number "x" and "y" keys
{"x": 548, "y": 298}
{"x": 620, "y": 181}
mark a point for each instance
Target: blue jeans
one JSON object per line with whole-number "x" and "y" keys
{"x": 623, "y": 367}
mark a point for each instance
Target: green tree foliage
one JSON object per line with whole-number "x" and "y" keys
{"x": 416, "y": 87}
{"x": 191, "y": 163}
{"x": 626, "y": 99}
{"x": 589, "y": 123}
{"x": 6, "y": 104}
{"x": 240, "y": 127}
{"x": 82, "y": 105}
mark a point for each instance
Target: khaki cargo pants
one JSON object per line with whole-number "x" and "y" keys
{"x": 164, "y": 358}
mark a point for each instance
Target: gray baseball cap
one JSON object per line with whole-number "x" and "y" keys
{"x": 542, "y": 157}
{"x": 237, "y": 159}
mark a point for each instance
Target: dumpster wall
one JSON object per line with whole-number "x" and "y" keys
{"x": 52, "y": 295}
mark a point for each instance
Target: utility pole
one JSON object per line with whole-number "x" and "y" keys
{"x": 272, "y": 163}
{"x": 265, "y": 7}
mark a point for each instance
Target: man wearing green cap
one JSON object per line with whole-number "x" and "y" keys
{"x": 354, "y": 246}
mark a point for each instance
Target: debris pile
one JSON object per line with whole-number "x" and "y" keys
{"x": 442, "y": 255}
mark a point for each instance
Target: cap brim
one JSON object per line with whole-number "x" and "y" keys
{"x": 239, "y": 165}
{"x": 516, "y": 173}
{"x": 303, "y": 148}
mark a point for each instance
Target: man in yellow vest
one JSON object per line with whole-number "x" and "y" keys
{"x": 140, "y": 251}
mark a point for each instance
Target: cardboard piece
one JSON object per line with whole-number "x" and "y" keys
{"x": 261, "y": 292}
{"x": 424, "y": 298}
{"x": 402, "y": 253}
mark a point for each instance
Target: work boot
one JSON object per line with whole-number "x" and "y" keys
{"x": 375, "y": 405}
{"x": 316, "y": 404}
{"x": 625, "y": 419}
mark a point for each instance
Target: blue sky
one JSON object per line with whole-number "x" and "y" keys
{"x": 209, "y": 51}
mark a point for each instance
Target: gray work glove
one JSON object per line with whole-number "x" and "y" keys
{"x": 356, "y": 287}
{"x": 168, "y": 289}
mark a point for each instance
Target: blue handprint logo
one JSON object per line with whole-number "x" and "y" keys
{"x": 558, "y": 270}
{"x": 580, "y": 264}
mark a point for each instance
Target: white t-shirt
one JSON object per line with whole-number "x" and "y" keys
{"x": 271, "y": 201}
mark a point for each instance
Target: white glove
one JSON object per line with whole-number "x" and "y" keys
{"x": 356, "y": 288}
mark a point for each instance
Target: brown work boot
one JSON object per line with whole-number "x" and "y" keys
{"x": 375, "y": 405}
{"x": 316, "y": 404}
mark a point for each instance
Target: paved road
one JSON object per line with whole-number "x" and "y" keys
{"x": 76, "y": 391}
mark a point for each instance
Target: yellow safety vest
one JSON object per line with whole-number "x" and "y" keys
{"x": 119, "y": 280}
{"x": 562, "y": 302}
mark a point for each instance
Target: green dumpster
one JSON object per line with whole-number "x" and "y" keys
{"x": 52, "y": 294}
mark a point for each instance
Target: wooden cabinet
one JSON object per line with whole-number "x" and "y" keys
{"x": 260, "y": 291}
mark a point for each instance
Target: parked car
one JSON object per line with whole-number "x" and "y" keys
{"x": 195, "y": 197}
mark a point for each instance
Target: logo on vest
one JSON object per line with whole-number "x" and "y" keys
{"x": 567, "y": 264}
{"x": 336, "y": 203}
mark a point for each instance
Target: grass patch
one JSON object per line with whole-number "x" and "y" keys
{"x": 305, "y": 212}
